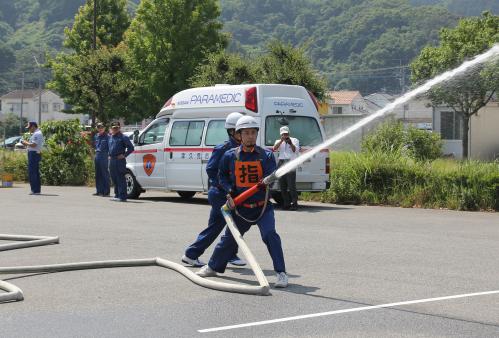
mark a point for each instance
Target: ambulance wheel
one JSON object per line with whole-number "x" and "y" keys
{"x": 133, "y": 189}
{"x": 186, "y": 194}
{"x": 276, "y": 195}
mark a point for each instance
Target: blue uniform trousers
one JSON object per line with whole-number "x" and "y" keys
{"x": 228, "y": 245}
{"x": 34, "y": 171}
{"x": 216, "y": 224}
{"x": 117, "y": 169}
{"x": 101, "y": 174}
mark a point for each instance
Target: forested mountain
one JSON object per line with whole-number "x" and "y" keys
{"x": 463, "y": 7}
{"x": 350, "y": 41}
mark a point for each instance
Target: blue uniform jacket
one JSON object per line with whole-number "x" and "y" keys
{"x": 120, "y": 144}
{"x": 214, "y": 162}
{"x": 101, "y": 144}
{"x": 238, "y": 177}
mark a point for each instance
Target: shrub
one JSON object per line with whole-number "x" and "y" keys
{"x": 65, "y": 159}
{"x": 423, "y": 145}
{"x": 392, "y": 138}
{"x": 392, "y": 179}
{"x": 15, "y": 163}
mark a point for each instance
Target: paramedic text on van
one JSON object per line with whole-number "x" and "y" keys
{"x": 222, "y": 98}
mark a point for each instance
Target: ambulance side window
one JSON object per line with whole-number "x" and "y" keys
{"x": 186, "y": 133}
{"x": 155, "y": 133}
{"x": 216, "y": 133}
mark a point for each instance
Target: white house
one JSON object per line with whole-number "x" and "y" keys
{"x": 483, "y": 137}
{"x": 416, "y": 112}
{"x": 51, "y": 107}
{"x": 483, "y": 141}
{"x": 345, "y": 102}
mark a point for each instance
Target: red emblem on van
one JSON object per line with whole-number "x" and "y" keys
{"x": 148, "y": 161}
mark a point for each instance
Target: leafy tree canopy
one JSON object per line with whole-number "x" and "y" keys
{"x": 112, "y": 21}
{"x": 467, "y": 94}
{"x": 282, "y": 63}
{"x": 167, "y": 40}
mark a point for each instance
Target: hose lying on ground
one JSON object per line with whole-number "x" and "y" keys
{"x": 13, "y": 293}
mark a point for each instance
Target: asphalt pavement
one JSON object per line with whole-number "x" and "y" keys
{"x": 343, "y": 261}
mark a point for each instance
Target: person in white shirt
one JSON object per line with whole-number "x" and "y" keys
{"x": 34, "y": 146}
{"x": 288, "y": 148}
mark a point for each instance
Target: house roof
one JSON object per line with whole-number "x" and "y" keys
{"x": 26, "y": 94}
{"x": 343, "y": 96}
{"x": 379, "y": 99}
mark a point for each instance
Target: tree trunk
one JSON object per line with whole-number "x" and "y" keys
{"x": 466, "y": 129}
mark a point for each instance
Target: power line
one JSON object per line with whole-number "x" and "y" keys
{"x": 363, "y": 71}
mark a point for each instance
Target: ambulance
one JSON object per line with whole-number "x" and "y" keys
{"x": 171, "y": 153}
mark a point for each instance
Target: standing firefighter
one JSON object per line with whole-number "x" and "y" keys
{"x": 101, "y": 161}
{"x": 216, "y": 197}
{"x": 119, "y": 148}
{"x": 240, "y": 169}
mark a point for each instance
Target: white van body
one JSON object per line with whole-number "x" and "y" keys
{"x": 171, "y": 153}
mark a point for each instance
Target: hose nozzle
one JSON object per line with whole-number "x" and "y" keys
{"x": 270, "y": 179}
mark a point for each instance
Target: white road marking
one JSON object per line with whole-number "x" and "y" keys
{"x": 356, "y": 309}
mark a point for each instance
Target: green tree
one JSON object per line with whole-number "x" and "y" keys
{"x": 111, "y": 23}
{"x": 223, "y": 67}
{"x": 282, "y": 63}
{"x": 167, "y": 40}
{"x": 467, "y": 94}
{"x": 95, "y": 81}
{"x": 288, "y": 65}
{"x": 98, "y": 81}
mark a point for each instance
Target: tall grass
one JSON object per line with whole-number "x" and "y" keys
{"x": 391, "y": 179}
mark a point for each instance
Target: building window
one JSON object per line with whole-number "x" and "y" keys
{"x": 451, "y": 125}
{"x": 16, "y": 107}
{"x": 56, "y": 106}
{"x": 45, "y": 107}
{"x": 337, "y": 110}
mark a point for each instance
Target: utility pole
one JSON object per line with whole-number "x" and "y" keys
{"x": 39, "y": 91}
{"x": 22, "y": 103}
{"x": 94, "y": 42}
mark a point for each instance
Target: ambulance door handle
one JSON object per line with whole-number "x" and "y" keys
{"x": 171, "y": 155}
{"x": 204, "y": 161}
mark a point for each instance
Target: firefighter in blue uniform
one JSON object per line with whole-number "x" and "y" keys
{"x": 240, "y": 169}
{"x": 119, "y": 148}
{"x": 216, "y": 197}
{"x": 101, "y": 161}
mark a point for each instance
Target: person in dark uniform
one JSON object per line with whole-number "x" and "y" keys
{"x": 119, "y": 148}
{"x": 101, "y": 161}
{"x": 240, "y": 169}
{"x": 216, "y": 197}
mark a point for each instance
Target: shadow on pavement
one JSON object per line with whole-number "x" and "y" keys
{"x": 174, "y": 199}
{"x": 50, "y": 195}
{"x": 313, "y": 208}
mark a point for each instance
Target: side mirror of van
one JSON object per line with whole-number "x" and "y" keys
{"x": 135, "y": 137}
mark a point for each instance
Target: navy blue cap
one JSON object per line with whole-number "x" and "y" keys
{"x": 31, "y": 123}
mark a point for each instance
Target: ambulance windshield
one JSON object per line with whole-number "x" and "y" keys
{"x": 304, "y": 128}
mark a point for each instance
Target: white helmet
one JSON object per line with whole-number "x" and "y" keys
{"x": 232, "y": 118}
{"x": 247, "y": 122}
